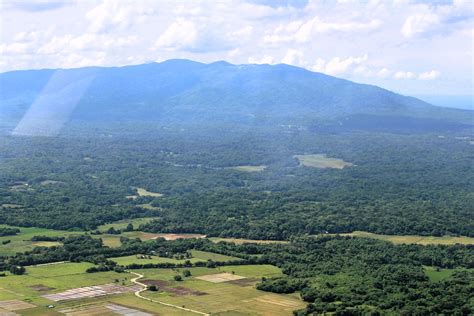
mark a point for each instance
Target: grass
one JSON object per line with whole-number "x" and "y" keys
{"x": 22, "y": 242}
{"x": 122, "y": 224}
{"x": 143, "y": 192}
{"x": 226, "y": 297}
{"x": 414, "y": 239}
{"x": 249, "y": 168}
{"x": 321, "y": 161}
{"x": 436, "y": 275}
{"x": 198, "y": 256}
{"x": 239, "y": 241}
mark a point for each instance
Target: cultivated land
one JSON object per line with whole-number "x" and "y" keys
{"x": 321, "y": 161}
{"x": 122, "y": 224}
{"x": 412, "y": 239}
{"x": 74, "y": 292}
{"x": 232, "y": 297}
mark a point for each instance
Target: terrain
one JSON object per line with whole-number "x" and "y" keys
{"x": 230, "y": 190}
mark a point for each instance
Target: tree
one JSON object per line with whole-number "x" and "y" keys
{"x": 178, "y": 278}
{"x": 129, "y": 227}
{"x": 17, "y": 270}
{"x": 152, "y": 288}
{"x": 186, "y": 273}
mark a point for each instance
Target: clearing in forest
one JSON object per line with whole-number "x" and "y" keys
{"x": 416, "y": 239}
{"x": 321, "y": 161}
{"x": 249, "y": 168}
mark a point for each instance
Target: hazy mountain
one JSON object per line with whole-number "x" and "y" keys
{"x": 183, "y": 91}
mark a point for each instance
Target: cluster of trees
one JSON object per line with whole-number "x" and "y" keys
{"x": 400, "y": 184}
{"x": 7, "y": 231}
{"x": 356, "y": 276}
{"x": 47, "y": 238}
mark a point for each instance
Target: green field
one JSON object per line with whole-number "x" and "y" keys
{"x": 229, "y": 298}
{"x": 122, "y": 224}
{"x": 197, "y": 256}
{"x": 321, "y": 161}
{"x": 436, "y": 275}
{"x": 412, "y": 239}
{"x": 22, "y": 242}
{"x": 64, "y": 276}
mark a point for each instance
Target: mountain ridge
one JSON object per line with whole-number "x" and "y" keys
{"x": 181, "y": 90}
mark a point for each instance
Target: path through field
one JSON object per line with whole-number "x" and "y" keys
{"x": 138, "y": 294}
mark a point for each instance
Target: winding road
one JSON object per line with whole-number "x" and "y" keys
{"x": 138, "y": 294}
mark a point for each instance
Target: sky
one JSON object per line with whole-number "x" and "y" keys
{"x": 411, "y": 47}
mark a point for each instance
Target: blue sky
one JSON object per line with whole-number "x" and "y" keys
{"x": 412, "y": 47}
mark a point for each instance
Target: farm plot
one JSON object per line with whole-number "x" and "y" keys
{"x": 414, "y": 239}
{"x": 220, "y": 277}
{"x": 225, "y": 296}
{"x": 91, "y": 291}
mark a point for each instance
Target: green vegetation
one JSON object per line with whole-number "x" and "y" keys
{"x": 249, "y": 168}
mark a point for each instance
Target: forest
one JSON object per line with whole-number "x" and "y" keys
{"x": 397, "y": 184}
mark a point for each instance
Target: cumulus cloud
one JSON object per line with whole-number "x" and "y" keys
{"x": 429, "y": 75}
{"x": 337, "y": 65}
{"x": 419, "y": 24}
{"x": 404, "y": 75}
{"x": 266, "y": 59}
{"x": 303, "y": 31}
{"x": 110, "y": 15}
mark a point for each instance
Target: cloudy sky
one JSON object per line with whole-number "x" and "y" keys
{"x": 412, "y": 47}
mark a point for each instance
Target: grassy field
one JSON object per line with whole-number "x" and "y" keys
{"x": 249, "y": 168}
{"x": 22, "y": 242}
{"x": 59, "y": 277}
{"x": 411, "y": 239}
{"x": 197, "y": 256}
{"x": 321, "y": 161}
{"x": 226, "y": 298}
{"x": 122, "y": 224}
{"x": 436, "y": 275}
{"x": 247, "y": 241}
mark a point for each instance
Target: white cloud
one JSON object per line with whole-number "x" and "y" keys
{"x": 419, "y": 24}
{"x": 337, "y": 65}
{"x": 404, "y": 75}
{"x": 429, "y": 75}
{"x": 304, "y": 31}
{"x": 294, "y": 57}
{"x": 181, "y": 34}
{"x": 111, "y": 14}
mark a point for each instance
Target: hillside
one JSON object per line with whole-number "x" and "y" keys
{"x": 183, "y": 91}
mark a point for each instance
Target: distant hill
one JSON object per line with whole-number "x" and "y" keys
{"x": 183, "y": 91}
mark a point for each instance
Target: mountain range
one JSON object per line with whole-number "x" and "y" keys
{"x": 184, "y": 91}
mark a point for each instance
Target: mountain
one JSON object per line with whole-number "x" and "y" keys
{"x": 183, "y": 91}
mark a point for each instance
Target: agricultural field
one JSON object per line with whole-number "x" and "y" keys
{"x": 437, "y": 274}
{"x": 82, "y": 293}
{"x": 321, "y": 161}
{"x": 413, "y": 239}
{"x": 226, "y": 290}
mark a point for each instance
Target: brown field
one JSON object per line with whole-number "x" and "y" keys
{"x": 220, "y": 277}
{"x": 14, "y": 305}
{"x": 414, "y": 239}
{"x": 277, "y": 300}
{"x": 239, "y": 241}
{"x": 177, "y": 236}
